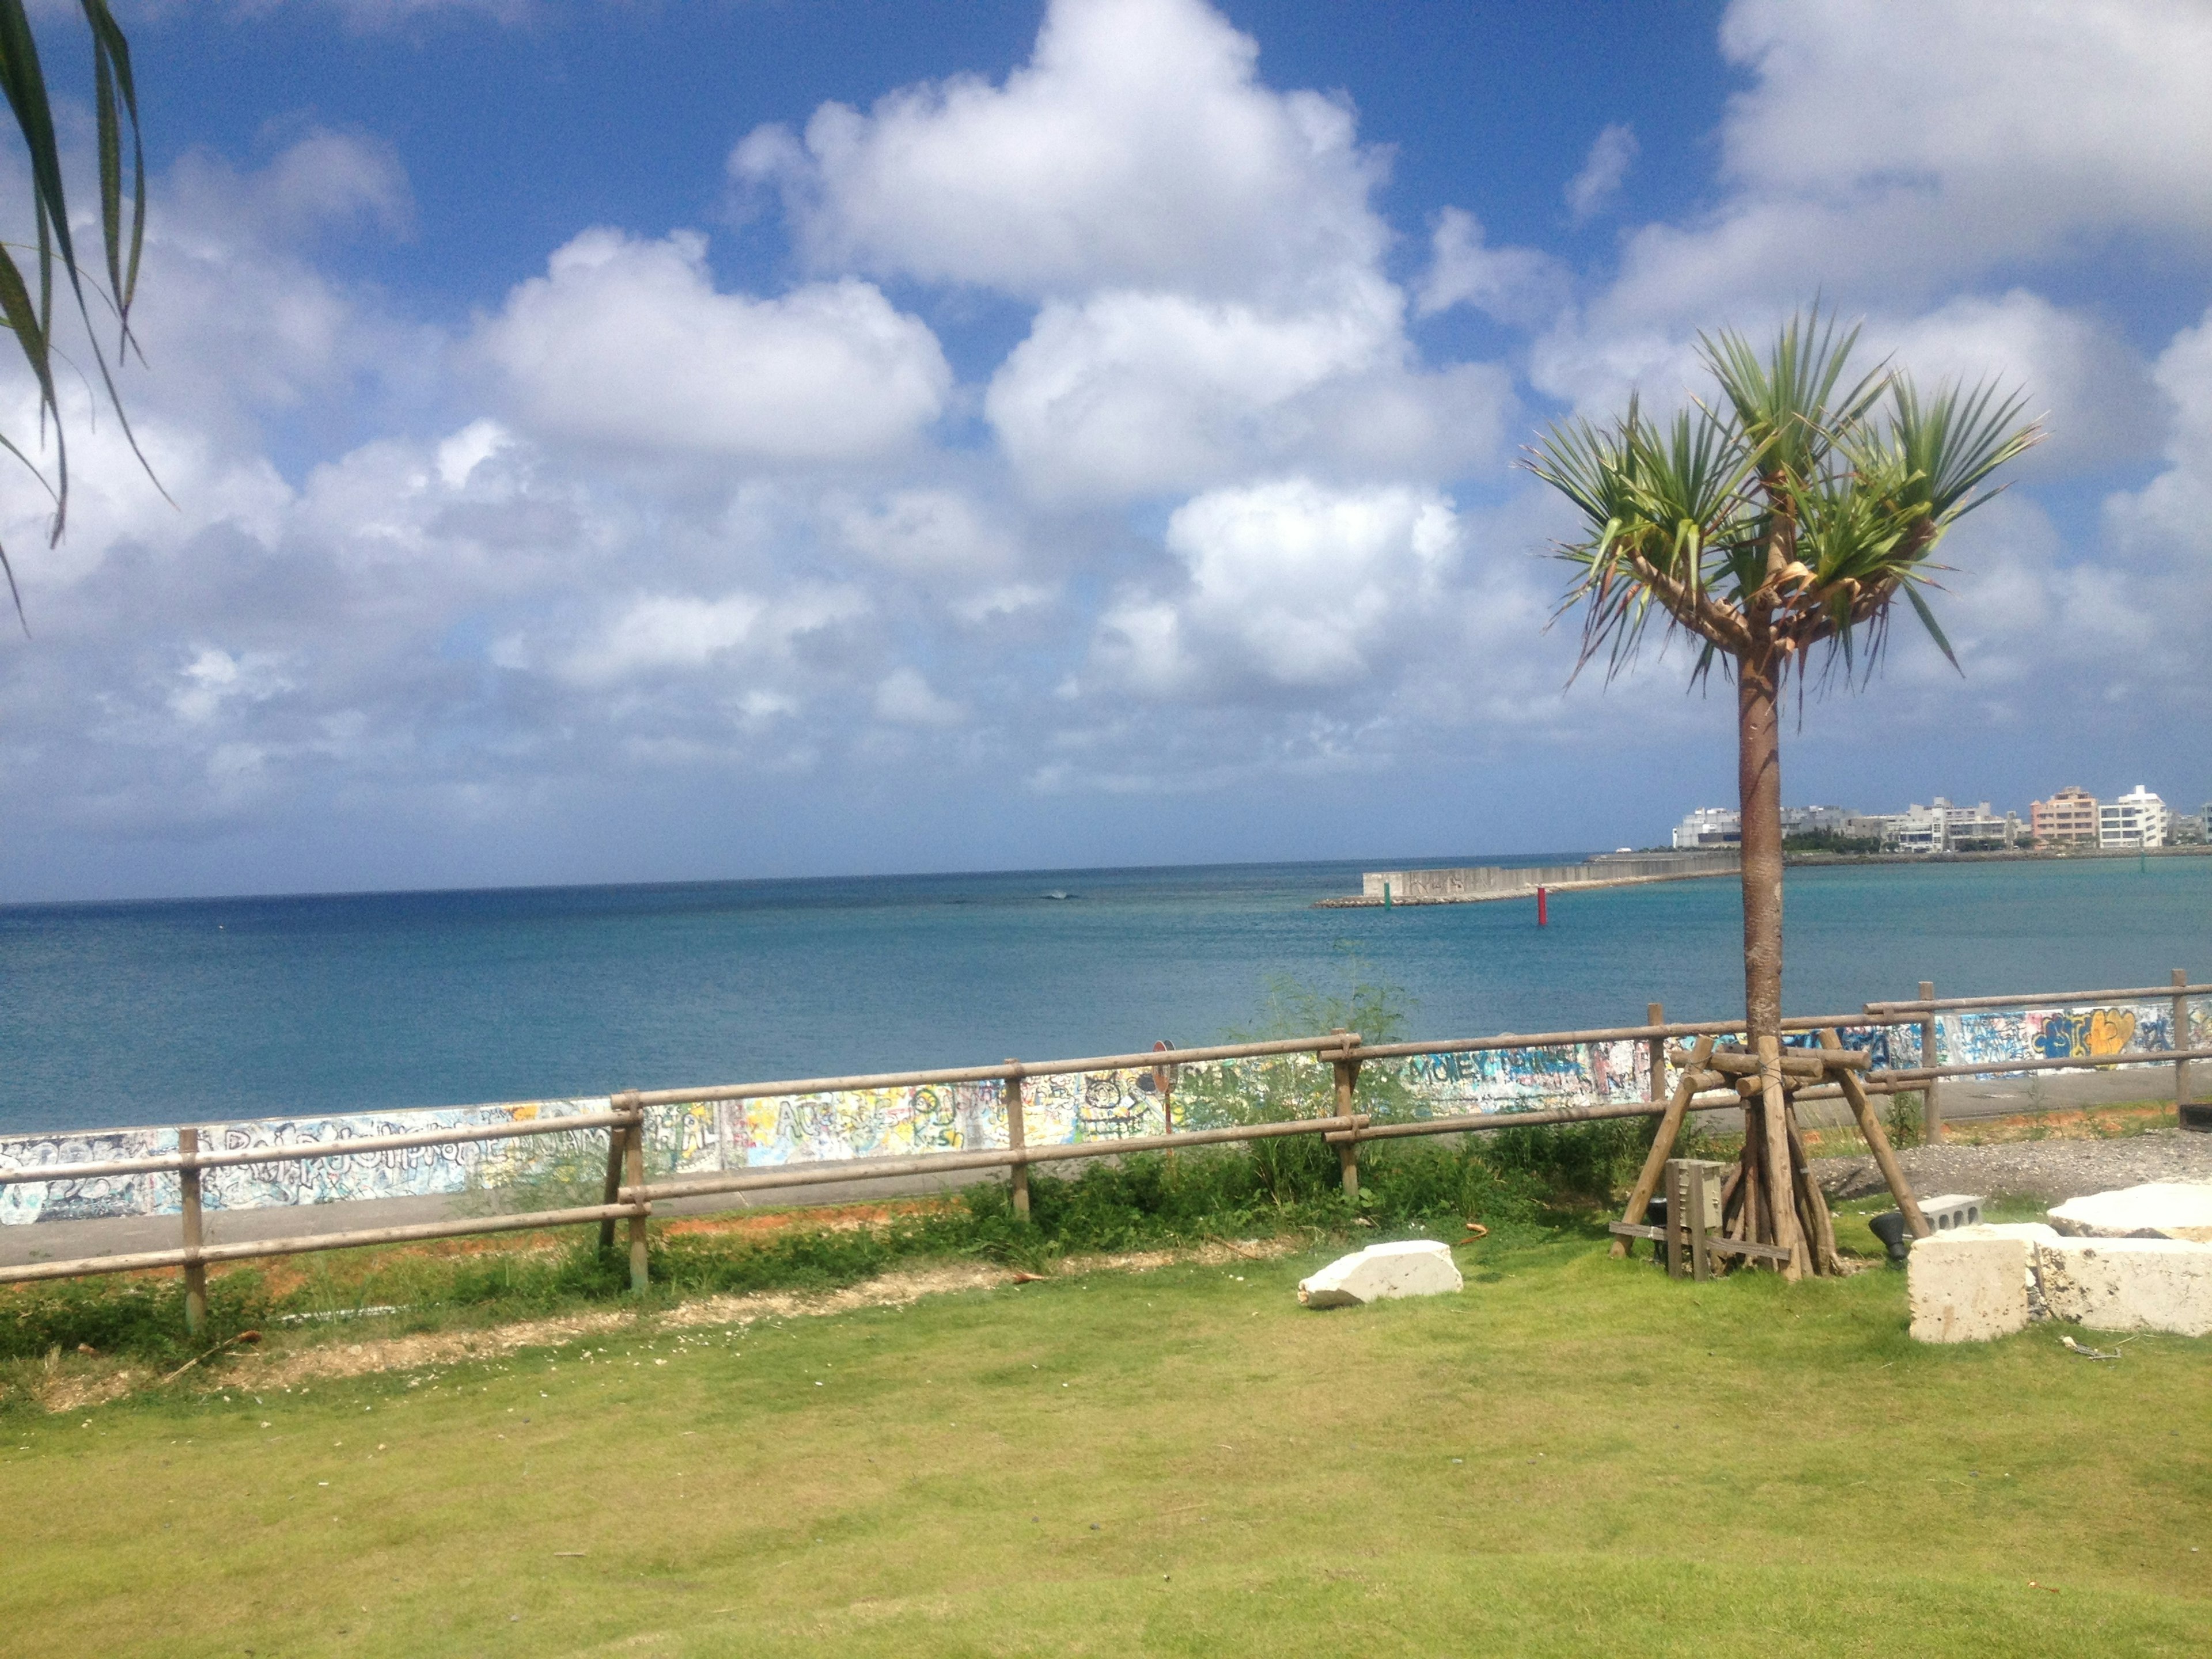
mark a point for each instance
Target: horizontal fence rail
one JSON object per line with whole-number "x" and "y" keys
{"x": 2046, "y": 1000}
{"x": 1003, "y": 1072}
{"x": 629, "y": 1196}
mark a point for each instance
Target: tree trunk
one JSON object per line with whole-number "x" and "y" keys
{"x": 1758, "y": 788}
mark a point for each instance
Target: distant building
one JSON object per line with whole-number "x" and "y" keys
{"x": 1710, "y": 826}
{"x": 2068, "y": 818}
{"x": 2137, "y": 819}
{"x": 1723, "y": 826}
{"x": 1815, "y": 820}
{"x": 1944, "y": 827}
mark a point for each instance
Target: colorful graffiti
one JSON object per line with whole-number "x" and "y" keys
{"x": 1061, "y": 1110}
{"x": 2131, "y": 1029}
{"x": 404, "y": 1172}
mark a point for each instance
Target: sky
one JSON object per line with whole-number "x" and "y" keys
{"x": 606, "y": 440}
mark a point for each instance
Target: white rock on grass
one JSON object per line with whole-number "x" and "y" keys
{"x": 2158, "y": 1209}
{"x": 1969, "y": 1286}
{"x": 1418, "y": 1266}
{"x": 2127, "y": 1283}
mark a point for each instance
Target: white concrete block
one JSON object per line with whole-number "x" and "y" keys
{"x": 1418, "y": 1266}
{"x": 1968, "y": 1290}
{"x": 1948, "y": 1211}
{"x": 2128, "y": 1284}
{"x": 2158, "y": 1209}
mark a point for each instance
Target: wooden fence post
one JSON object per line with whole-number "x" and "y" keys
{"x": 1931, "y": 1109}
{"x": 617, "y": 1137}
{"x": 633, "y": 1176}
{"x": 1017, "y": 1139}
{"x": 188, "y": 1145}
{"x": 2180, "y": 1042}
{"x": 1656, "y": 1014}
{"x": 1348, "y": 1149}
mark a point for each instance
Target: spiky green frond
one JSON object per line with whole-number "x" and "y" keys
{"x": 1786, "y": 401}
{"x": 1790, "y": 518}
{"x": 30, "y": 320}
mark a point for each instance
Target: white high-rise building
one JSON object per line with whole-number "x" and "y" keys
{"x": 1710, "y": 826}
{"x": 2137, "y": 819}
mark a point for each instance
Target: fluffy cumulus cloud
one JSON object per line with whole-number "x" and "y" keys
{"x": 626, "y": 345}
{"x": 1287, "y": 584}
{"x": 1909, "y": 150}
{"x": 1137, "y": 149}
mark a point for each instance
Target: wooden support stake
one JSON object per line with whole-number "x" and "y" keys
{"x": 2181, "y": 1043}
{"x": 1931, "y": 1110}
{"x": 188, "y": 1145}
{"x": 1348, "y": 1149}
{"x": 1813, "y": 1203}
{"x": 1663, "y": 1142}
{"x": 1779, "y": 1187}
{"x": 1018, "y": 1173}
{"x": 633, "y": 1176}
{"x": 612, "y": 1191}
{"x": 1877, "y": 1137}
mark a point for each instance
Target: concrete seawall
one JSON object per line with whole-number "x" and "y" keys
{"x": 1477, "y": 883}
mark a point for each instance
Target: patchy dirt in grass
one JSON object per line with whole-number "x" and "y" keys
{"x": 76, "y": 1391}
{"x": 281, "y": 1366}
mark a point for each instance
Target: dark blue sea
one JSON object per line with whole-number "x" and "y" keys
{"x": 146, "y": 1013}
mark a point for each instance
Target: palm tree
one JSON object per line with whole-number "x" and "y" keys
{"x": 115, "y": 104}
{"x": 1785, "y": 518}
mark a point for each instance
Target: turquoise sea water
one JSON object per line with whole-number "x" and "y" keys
{"x": 144, "y": 1013}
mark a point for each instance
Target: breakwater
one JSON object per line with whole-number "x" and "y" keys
{"x": 1476, "y": 883}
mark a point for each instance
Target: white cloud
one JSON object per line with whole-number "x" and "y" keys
{"x": 1141, "y": 394}
{"x": 1518, "y": 285}
{"x": 1611, "y": 155}
{"x": 661, "y": 632}
{"x": 1135, "y": 149}
{"x": 2166, "y": 527}
{"x": 929, "y": 532}
{"x": 2098, "y": 396}
{"x": 214, "y": 678}
{"x": 1892, "y": 151}
{"x": 1289, "y": 582}
{"x": 626, "y": 345}
{"x": 903, "y": 697}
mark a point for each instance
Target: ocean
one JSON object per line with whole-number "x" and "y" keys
{"x": 190, "y": 1009}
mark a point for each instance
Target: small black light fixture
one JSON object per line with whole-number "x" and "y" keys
{"x": 1889, "y": 1228}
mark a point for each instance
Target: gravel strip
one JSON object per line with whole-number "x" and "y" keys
{"x": 2053, "y": 1170}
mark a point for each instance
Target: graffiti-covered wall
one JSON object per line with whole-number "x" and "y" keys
{"x": 871, "y": 1123}
{"x": 2120, "y": 1032}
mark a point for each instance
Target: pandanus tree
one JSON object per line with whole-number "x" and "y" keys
{"x": 29, "y": 317}
{"x": 1775, "y": 525}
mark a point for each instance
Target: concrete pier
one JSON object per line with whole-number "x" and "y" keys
{"x": 1476, "y": 883}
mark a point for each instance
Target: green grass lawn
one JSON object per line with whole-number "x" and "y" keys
{"x": 1576, "y": 1457}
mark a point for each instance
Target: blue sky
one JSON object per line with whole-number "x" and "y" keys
{"x": 640, "y": 442}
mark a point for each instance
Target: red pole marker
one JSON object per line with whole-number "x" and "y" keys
{"x": 1541, "y": 909}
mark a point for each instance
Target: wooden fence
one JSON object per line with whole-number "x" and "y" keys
{"x": 629, "y": 1197}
